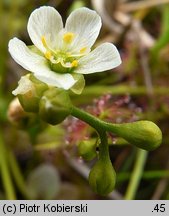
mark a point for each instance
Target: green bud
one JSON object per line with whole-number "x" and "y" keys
{"x": 143, "y": 134}
{"x": 21, "y": 119}
{"x": 29, "y": 92}
{"x": 55, "y": 106}
{"x": 87, "y": 149}
{"x": 102, "y": 177}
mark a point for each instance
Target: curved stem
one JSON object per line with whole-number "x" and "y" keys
{"x": 100, "y": 127}
{"x": 95, "y": 122}
{"x": 88, "y": 118}
{"x": 143, "y": 134}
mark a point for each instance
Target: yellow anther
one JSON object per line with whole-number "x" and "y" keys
{"x": 48, "y": 55}
{"x": 74, "y": 63}
{"x": 68, "y": 37}
{"x": 82, "y": 50}
{"x": 43, "y": 39}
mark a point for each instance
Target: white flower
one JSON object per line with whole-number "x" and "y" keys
{"x": 62, "y": 54}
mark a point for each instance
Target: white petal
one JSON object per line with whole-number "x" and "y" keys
{"x": 25, "y": 57}
{"x": 86, "y": 24}
{"x": 104, "y": 57}
{"x": 24, "y": 85}
{"x": 44, "y": 21}
{"x": 38, "y": 65}
{"x": 65, "y": 81}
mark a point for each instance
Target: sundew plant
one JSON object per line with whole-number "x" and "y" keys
{"x": 57, "y": 63}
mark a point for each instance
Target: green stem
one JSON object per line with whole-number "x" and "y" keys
{"x": 5, "y": 174}
{"x": 103, "y": 147}
{"x": 17, "y": 174}
{"x": 136, "y": 174}
{"x": 99, "y": 125}
{"x": 143, "y": 134}
{"x": 88, "y": 118}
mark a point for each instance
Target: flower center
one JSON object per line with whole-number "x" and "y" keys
{"x": 62, "y": 60}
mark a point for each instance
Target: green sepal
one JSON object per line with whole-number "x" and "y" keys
{"x": 78, "y": 87}
{"x": 55, "y": 106}
{"x": 30, "y": 99}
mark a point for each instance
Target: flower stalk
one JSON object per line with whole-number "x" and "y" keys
{"x": 143, "y": 134}
{"x": 102, "y": 176}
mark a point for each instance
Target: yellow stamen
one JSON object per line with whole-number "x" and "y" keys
{"x": 43, "y": 39}
{"x": 74, "y": 63}
{"x": 82, "y": 50}
{"x": 48, "y": 55}
{"x": 68, "y": 37}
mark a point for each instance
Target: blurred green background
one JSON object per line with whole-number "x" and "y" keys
{"x": 39, "y": 161}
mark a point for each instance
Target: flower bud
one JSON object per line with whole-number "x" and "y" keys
{"x": 102, "y": 177}
{"x": 55, "y": 106}
{"x": 87, "y": 149}
{"x": 21, "y": 119}
{"x": 15, "y": 112}
{"x": 143, "y": 134}
{"x": 29, "y": 92}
